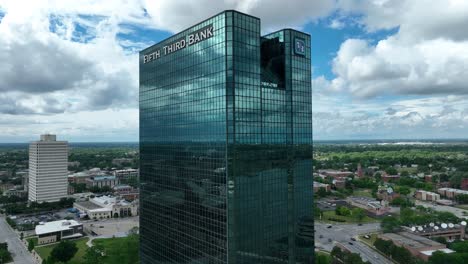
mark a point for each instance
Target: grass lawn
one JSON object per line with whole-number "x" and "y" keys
{"x": 409, "y": 170}
{"x": 34, "y": 239}
{"x": 363, "y": 193}
{"x": 44, "y": 251}
{"x": 324, "y": 257}
{"x": 347, "y": 219}
{"x": 370, "y": 241}
{"x": 462, "y": 206}
{"x": 120, "y": 250}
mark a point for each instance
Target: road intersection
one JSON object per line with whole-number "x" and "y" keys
{"x": 326, "y": 238}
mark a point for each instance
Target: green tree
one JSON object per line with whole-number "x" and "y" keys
{"x": 336, "y": 253}
{"x": 94, "y": 254}
{"x": 460, "y": 247}
{"x": 64, "y": 251}
{"x": 390, "y": 224}
{"x": 359, "y": 214}
{"x": 378, "y": 176}
{"x": 438, "y": 257}
{"x": 403, "y": 190}
{"x": 391, "y": 171}
{"x": 5, "y": 256}
{"x": 322, "y": 192}
{"x": 322, "y": 259}
{"x": 48, "y": 260}
{"x": 442, "y": 240}
{"x": 30, "y": 245}
{"x": 342, "y": 210}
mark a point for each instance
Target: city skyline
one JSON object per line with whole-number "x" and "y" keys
{"x": 381, "y": 69}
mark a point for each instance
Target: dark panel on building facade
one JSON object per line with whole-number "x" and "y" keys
{"x": 226, "y": 153}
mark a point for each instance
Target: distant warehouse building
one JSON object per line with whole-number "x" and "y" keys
{"x": 451, "y": 193}
{"x": 426, "y": 196}
{"x": 51, "y": 232}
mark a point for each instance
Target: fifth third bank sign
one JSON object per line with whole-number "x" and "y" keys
{"x": 226, "y": 145}
{"x": 194, "y": 38}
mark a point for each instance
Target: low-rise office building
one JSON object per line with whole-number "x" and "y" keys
{"x": 79, "y": 177}
{"x": 126, "y": 174}
{"x": 386, "y": 193}
{"x": 390, "y": 178}
{"x": 448, "y": 230}
{"x": 126, "y": 191}
{"x": 371, "y": 205}
{"x": 101, "y": 181}
{"x": 418, "y": 246}
{"x": 318, "y": 185}
{"x": 106, "y": 207}
{"x": 55, "y": 231}
{"x": 16, "y": 191}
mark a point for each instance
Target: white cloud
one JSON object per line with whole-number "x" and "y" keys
{"x": 103, "y": 125}
{"x": 426, "y": 56}
{"x": 46, "y": 72}
{"x": 65, "y": 70}
{"x": 177, "y": 15}
{"x": 341, "y": 117}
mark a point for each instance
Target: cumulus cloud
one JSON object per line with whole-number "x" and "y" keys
{"x": 177, "y": 15}
{"x": 55, "y": 60}
{"x": 414, "y": 118}
{"x": 426, "y": 56}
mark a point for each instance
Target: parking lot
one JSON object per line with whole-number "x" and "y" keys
{"x": 330, "y": 205}
{"x": 117, "y": 227}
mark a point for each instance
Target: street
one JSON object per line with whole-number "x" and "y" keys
{"x": 15, "y": 246}
{"x": 343, "y": 233}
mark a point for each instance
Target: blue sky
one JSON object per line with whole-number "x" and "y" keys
{"x": 382, "y": 69}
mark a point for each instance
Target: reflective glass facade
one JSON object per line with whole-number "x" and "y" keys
{"x": 226, "y": 145}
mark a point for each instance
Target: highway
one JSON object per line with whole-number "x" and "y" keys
{"x": 343, "y": 233}
{"x": 19, "y": 252}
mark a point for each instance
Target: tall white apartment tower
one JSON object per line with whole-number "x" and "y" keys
{"x": 48, "y": 168}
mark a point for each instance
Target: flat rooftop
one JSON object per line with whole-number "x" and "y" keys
{"x": 412, "y": 240}
{"x": 429, "y": 252}
{"x": 88, "y": 205}
{"x": 55, "y": 226}
{"x": 104, "y": 178}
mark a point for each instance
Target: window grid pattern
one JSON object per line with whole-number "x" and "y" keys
{"x": 225, "y": 162}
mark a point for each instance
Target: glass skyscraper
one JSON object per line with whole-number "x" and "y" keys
{"x": 226, "y": 145}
